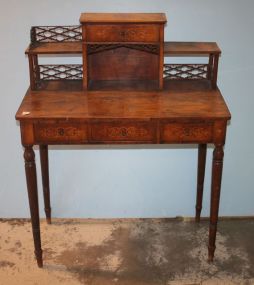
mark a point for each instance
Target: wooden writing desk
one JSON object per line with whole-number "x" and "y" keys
{"x": 62, "y": 109}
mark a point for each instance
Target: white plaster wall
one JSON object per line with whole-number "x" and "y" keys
{"x": 129, "y": 181}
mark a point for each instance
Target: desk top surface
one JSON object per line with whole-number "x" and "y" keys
{"x": 180, "y": 101}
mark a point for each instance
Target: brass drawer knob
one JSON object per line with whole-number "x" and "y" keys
{"x": 124, "y": 132}
{"x": 61, "y": 131}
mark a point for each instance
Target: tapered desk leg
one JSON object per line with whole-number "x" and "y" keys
{"x": 31, "y": 181}
{"x": 200, "y": 178}
{"x": 218, "y": 154}
{"x": 45, "y": 181}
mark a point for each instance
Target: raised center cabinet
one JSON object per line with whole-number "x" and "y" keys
{"x": 123, "y": 50}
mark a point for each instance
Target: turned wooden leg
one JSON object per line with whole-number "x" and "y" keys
{"x": 200, "y": 178}
{"x": 218, "y": 154}
{"x": 45, "y": 181}
{"x": 31, "y": 181}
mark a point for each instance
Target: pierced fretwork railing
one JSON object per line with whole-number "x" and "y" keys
{"x": 151, "y": 48}
{"x": 75, "y": 72}
{"x": 49, "y": 34}
{"x": 185, "y": 71}
{"x": 61, "y": 72}
{"x": 56, "y": 72}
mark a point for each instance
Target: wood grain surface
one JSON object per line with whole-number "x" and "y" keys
{"x": 177, "y": 102}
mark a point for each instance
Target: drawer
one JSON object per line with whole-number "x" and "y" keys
{"x": 122, "y": 33}
{"x": 186, "y": 132}
{"x": 123, "y": 132}
{"x": 60, "y": 133}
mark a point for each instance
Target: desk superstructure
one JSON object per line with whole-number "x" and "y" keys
{"x": 123, "y": 93}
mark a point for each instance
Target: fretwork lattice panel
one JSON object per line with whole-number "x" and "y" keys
{"x": 94, "y": 48}
{"x": 45, "y": 34}
{"x": 58, "y": 72}
{"x": 185, "y": 71}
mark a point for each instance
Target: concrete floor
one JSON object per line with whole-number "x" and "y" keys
{"x": 127, "y": 252}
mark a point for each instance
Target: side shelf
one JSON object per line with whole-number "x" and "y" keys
{"x": 190, "y": 48}
{"x": 55, "y": 48}
{"x": 170, "y": 48}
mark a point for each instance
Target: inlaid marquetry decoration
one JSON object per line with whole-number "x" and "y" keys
{"x": 129, "y": 34}
{"x": 172, "y": 132}
{"x": 62, "y": 133}
{"x": 185, "y": 71}
{"x": 125, "y": 132}
{"x": 122, "y": 132}
{"x": 45, "y": 34}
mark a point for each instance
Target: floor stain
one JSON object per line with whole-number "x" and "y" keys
{"x": 128, "y": 252}
{"x": 155, "y": 253}
{"x": 6, "y": 263}
{"x": 15, "y": 222}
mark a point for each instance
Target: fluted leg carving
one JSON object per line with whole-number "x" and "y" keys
{"x": 200, "y": 178}
{"x": 45, "y": 181}
{"x": 31, "y": 180}
{"x": 218, "y": 155}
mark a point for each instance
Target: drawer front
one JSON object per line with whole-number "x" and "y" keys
{"x": 186, "y": 132}
{"x": 122, "y": 33}
{"x": 123, "y": 132}
{"x": 60, "y": 133}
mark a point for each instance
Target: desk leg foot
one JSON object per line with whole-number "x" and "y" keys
{"x": 200, "y": 178}
{"x": 45, "y": 181}
{"x": 31, "y": 180}
{"x": 211, "y": 251}
{"x": 48, "y": 220}
{"x": 38, "y": 252}
{"x": 39, "y": 262}
{"x": 218, "y": 155}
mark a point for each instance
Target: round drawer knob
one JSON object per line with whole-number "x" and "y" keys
{"x": 61, "y": 131}
{"x": 124, "y": 132}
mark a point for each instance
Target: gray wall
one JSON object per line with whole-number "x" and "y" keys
{"x": 132, "y": 182}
